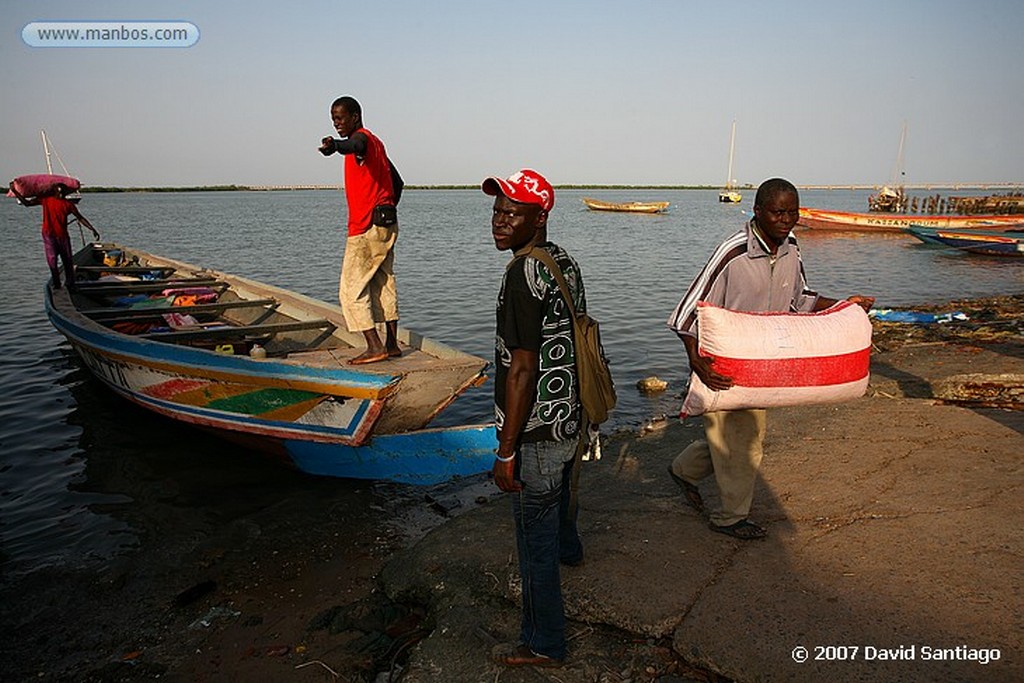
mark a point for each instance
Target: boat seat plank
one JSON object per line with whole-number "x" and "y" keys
{"x": 118, "y": 314}
{"x": 265, "y": 329}
{"x": 92, "y": 288}
{"x": 269, "y": 311}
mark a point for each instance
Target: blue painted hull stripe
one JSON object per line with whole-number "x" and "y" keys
{"x": 422, "y": 457}
{"x": 187, "y": 357}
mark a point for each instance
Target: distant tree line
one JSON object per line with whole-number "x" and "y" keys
{"x": 197, "y": 188}
{"x": 247, "y": 188}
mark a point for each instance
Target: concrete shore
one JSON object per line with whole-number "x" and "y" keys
{"x": 894, "y": 550}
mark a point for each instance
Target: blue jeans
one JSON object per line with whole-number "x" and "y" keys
{"x": 546, "y": 535}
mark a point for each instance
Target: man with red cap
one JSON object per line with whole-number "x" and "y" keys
{"x": 537, "y": 410}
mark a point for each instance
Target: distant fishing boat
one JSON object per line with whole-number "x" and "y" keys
{"x": 631, "y": 207}
{"x": 728, "y": 194}
{"x": 892, "y": 197}
{"x": 821, "y": 219}
{"x": 989, "y": 242}
{"x": 267, "y": 367}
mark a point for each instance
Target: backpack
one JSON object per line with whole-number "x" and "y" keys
{"x": 397, "y": 184}
{"x": 597, "y": 390}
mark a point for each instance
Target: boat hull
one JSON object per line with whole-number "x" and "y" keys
{"x": 292, "y": 401}
{"x": 820, "y": 219}
{"x": 988, "y": 242}
{"x": 626, "y": 207}
{"x": 423, "y": 457}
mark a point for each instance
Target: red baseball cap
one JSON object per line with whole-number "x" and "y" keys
{"x": 525, "y": 186}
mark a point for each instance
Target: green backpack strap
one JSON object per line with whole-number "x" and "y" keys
{"x": 545, "y": 258}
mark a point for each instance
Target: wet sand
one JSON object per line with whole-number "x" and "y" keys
{"x": 311, "y": 579}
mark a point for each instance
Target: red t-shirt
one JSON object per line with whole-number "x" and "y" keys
{"x": 55, "y": 215}
{"x": 367, "y": 184}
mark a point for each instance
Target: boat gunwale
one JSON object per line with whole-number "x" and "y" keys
{"x": 290, "y": 298}
{"x": 208, "y": 364}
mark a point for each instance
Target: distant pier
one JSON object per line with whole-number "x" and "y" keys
{"x": 922, "y": 186}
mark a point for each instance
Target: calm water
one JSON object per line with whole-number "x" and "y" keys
{"x": 77, "y": 463}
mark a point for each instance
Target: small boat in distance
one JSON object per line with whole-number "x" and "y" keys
{"x": 630, "y": 207}
{"x": 848, "y": 221}
{"x": 892, "y": 198}
{"x": 989, "y": 242}
{"x": 267, "y": 367}
{"x": 729, "y": 195}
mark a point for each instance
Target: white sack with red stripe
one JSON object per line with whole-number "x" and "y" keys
{"x": 782, "y": 359}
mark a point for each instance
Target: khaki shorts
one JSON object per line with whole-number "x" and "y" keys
{"x": 366, "y": 289}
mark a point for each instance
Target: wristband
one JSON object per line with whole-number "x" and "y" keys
{"x": 508, "y": 459}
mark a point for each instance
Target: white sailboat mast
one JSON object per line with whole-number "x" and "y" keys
{"x": 898, "y": 172}
{"x": 46, "y": 150}
{"x": 732, "y": 146}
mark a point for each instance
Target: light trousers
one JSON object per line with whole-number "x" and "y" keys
{"x": 732, "y": 451}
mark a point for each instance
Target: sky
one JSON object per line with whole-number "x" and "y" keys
{"x": 585, "y": 91}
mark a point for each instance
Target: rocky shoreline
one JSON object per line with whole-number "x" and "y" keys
{"x": 880, "y": 514}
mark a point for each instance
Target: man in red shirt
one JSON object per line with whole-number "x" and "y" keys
{"x": 56, "y": 241}
{"x": 367, "y": 290}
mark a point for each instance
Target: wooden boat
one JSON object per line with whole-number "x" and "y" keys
{"x": 267, "y": 367}
{"x": 728, "y": 194}
{"x": 990, "y": 242}
{"x": 892, "y": 198}
{"x": 631, "y": 207}
{"x": 821, "y": 219}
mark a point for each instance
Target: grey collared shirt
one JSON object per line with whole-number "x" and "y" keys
{"x": 742, "y": 276}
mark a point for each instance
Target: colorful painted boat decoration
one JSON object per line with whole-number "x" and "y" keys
{"x": 267, "y": 367}
{"x": 821, "y": 219}
{"x": 629, "y": 207}
{"x": 990, "y": 242}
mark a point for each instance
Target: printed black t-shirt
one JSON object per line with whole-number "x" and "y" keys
{"x": 533, "y": 315}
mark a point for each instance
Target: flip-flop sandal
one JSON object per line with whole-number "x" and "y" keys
{"x": 690, "y": 492}
{"x": 521, "y": 655}
{"x": 744, "y": 530}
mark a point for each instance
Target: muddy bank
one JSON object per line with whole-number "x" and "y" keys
{"x": 880, "y": 511}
